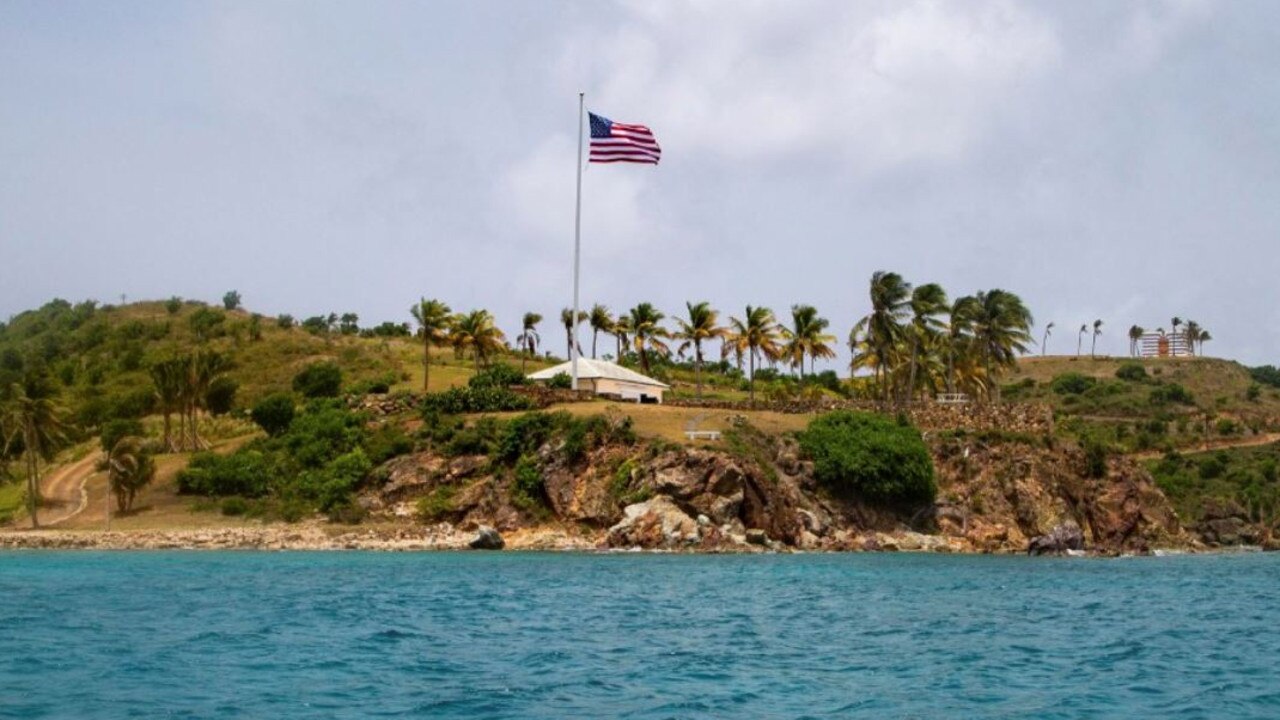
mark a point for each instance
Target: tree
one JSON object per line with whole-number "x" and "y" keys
{"x": 319, "y": 380}
{"x": 434, "y": 321}
{"x": 231, "y": 300}
{"x": 220, "y": 397}
{"x": 1191, "y": 334}
{"x": 647, "y": 333}
{"x": 1097, "y": 330}
{"x": 36, "y": 420}
{"x": 129, "y": 469}
{"x": 960, "y": 342}
{"x": 349, "y": 323}
{"x": 805, "y": 337}
{"x": 274, "y": 413}
{"x": 206, "y": 367}
{"x": 601, "y": 321}
{"x": 173, "y": 305}
{"x": 1080, "y": 338}
{"x": 476, "y": 332}
{"x": 701, "y": 324}
{"x": 1001, "y": 329}
{"x": 255, "y": 327}
{"x": 1135, "y": 337}
{"x": 622, "y": 334}
{"x": 755, "y": 333}
{"x": 570, "y": 339}
{"x": 875, "y": 338}
{"x": 169, "y": 378}
{"x": 927, "y": 303}
{"x": 1044, "y": 344}
{"x": 529, "y": 338}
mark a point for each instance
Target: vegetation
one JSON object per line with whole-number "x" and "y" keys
{"x": 871, "y": 457}
{"x": 434, "y": 322}
{"x": 701, "y": 325}
{"x": 754, "y": 334}
{"x": 319, "y": 380}
{"x": 274, "y": 413}
{"x": 1246, "y": 477}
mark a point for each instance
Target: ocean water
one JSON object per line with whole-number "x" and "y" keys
{"x": 476, "y": 635}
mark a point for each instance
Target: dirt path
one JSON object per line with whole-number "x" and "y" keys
{"x": 1256, "y": 440}
{"x": 65, "y": 490}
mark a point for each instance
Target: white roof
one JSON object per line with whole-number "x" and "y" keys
{"x": 589, "y": 369}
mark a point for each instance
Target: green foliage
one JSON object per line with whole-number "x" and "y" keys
{"x": 436, "y": 505}
{"x": 274, "y": 413}
{"x": 284, "y": 321}
{"x": 1226, "y": 426}
{"x": 221, "y": 395}
{"x": 560, "y": 381}
{"x": 524, "y": 434}
{"x": 1240, "y": 476}
{"x": 319, "y": 380}
{"x": 623, "y": 487}
{"x": 1253, "y": 392}
{"x": 1096, "y": 452}
{"x": 1170, "y": 394}
{"x": 207, "y": 323}
{"x": 234, "y": 506}
{"x": 116, "y": 430}
{"x": 869, "y": 456}
{"x": 478, "y": 439}
{"x": 1072, "y": 383}
{"x": 173, "y": 305}
{"x": 1133, "y": 372}
{"x": 475, "y": 400}
{"x": 243, "y": 473}
{"x": 499, "y": 375}
{"x": 1266, "y": 375}
{"x": 528, "y": 490}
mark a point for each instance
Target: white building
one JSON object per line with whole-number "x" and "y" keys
{"x": 608, "y": 379}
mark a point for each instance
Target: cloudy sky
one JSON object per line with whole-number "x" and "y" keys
{"x": 1113, "y": 160}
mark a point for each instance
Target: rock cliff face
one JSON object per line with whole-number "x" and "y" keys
{"x": 993, "y": 497}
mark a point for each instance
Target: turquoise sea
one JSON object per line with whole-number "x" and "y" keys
{"x": 510, "y": 635}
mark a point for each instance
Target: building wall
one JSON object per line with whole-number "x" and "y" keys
{"x": 627, "y": 390}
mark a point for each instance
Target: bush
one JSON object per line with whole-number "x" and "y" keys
{"x": 500, "y": 375}
{"x": 1266, "y": 375}
{"x": 231, "y": 300}
{"x": 242, "y": 473}
{"x": 284, "y": 321}
{"x": 1096, "y": 452}
{"x": 274, "y": 413}
{"x": 319, "y": 380}
{"x": 173, "y": 305}
{"x": 1072, "y": 383}
{"x": 475, "y": 400}
{"x": 1226, "y": 426}
{"x": 221, "y": 396}
{"x": 560, "y": 381}
{"x": 234, "y": 506}
{"x": 1171, "y": 393}
{"x": 114, "y": 430}
{"x": 528, "y": 490}
{"x": 437, "y": 505}
{"x": 1133, "y": 372}
{"x": 870, "y": 456}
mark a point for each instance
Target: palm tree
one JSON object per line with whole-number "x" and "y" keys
{"x": 601, "y": 321}
{"x": 702, "y": 324}
{"x": 1202, "y": 337}
{"x": 881, "y": 330}
{"x": 621, "y": 331}
{"x": 566, "y": 319}
{"x": 434, "y": 319}
{"x": 1135, "y": 337}
{"x": 34, "y": 417}
{"x": 129, "y": 469}
{"x": 805, "y": 338}
{"x": 1001, "y": 329}
{"x": 927, "y": 303}
{"x": 205, "y": 367}
{"x": 528, "y": 338}
{"x": 476, "y": 331}
{"x": 1097, "y": 330}
{"x": 964, "y": 311}
{"x": 1175, "y": 322}
{"x": 756, "y": 333}
{"x": 1044, "y": 344}
{"x": 1080, "y": 338}
{"x": 169, "y": 377}
{"x": 647, "y": 332}
{"x": 1191, "y": 333}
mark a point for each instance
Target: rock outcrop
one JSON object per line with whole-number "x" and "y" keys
{"x": 486, "y": 539}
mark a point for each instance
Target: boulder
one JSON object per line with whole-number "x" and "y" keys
{"x": 1059, "y": 541}
{"x": 756, "y": 536}
{"x": 655, "y": 523}
{"x": 486, "y": 539}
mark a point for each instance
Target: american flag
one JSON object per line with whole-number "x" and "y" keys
{"x": 618, "y": 142}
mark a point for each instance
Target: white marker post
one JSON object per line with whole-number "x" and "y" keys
{"x": 577, "y": 249}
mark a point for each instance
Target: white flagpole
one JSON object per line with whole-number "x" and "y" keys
{"x": 577, "y": 248}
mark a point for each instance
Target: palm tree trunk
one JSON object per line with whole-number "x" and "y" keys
{"x": 697, "y": 366}
{"x": 33, "y": 489}
{"x": 168, "y": 433}
{"x": 426, "y": 360}
{"x": 911, "y": 381}
{"x": 751, "y": 379}
{"x": 594, "y": 334}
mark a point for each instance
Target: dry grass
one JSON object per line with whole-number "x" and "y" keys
{"x": 670, "y": 423}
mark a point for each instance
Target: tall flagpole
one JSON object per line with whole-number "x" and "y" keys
{"x": 577, "y": 249}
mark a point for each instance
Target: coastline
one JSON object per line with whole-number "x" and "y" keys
{"x": 441, "y": 538}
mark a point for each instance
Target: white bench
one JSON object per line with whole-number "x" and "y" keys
{"x": 952, "y": 398}
{"x": 702, "y": 434}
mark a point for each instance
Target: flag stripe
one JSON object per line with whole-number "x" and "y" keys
{"x": 622, "y": 142}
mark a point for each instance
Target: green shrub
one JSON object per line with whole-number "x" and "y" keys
{"x": 1072, "y": 383}
{"x": 527, "y": 489}
{"x": 560, "y": 381}
{"x": 234, "y": 506}
{"x": 274, "y": 413}
{"x": 1253, "y": 392}
{"x": 221, "y": 396}
{"x": 114, "y": 430}
{"x": 243, "y": 473}
{"x": 475, "y": 400}
{"x": 499, "y": 375}
{"x": 1169, "y": 394}
{"x": 386, "y": 442}
{"x": 479, "y": 439}
{"x": 1096, "y": 452}
{"x": 436, "y": 505}
{"x": 1133, "y": 372}
{"x": 869, "y": 456}
{"x": 319, "y": 380}
{"x": 1226, "y": 426}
